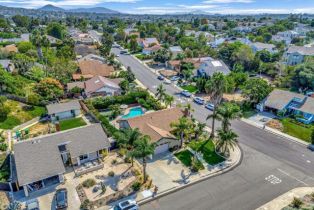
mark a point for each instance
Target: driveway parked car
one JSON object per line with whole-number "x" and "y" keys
{"x": 167, "y": 82}
{"x": 160, "y": 77}
{"x": 186, "y": 93}
{"x": 210, "y": 106}
{"x": 199, "y": 100}
{"x": 32, "y": 204}
{"x": 61, "y": 198}
{"x": 174, "y": 78}
{"x": 126, "y": 205}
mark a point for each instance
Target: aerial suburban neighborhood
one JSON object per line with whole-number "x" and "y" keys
{"x": 165, "y": 105}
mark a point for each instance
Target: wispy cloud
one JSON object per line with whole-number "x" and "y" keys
{"x": 227, "y": 1}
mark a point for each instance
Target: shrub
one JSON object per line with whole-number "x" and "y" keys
{"x": 136, "y": 186}
{"x": 104, "y": 153}
{"x": 89, "y": 183}
{"x": 3, "y": 147}
{"x": 85, "y": 205}
{"x": 296, "y": 203}
{"x": 113, "y": 162}
{"x": 127, "y": 160}
{"x": 196, "y": 165}
{"x": 312, "y": 136}
{"x": 122, "y": 152}
{"x": 111, "y": 173}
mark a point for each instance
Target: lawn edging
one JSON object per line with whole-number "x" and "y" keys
{"x": 203, "y": 178}
{"x": 276, "y": 132}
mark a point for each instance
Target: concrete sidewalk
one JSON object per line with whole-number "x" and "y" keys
{"x": 274, "y": 131}
{"x": 285, "y": 199}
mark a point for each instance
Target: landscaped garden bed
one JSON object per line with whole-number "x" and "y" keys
{"x": 190, "y": 88}
{"x": 71, "y": 123}
{"x": 19, "y": 113}
{"x": 185, "y": 157}
{"x": 207, "y": 148}
{"x": 304, "y": 203}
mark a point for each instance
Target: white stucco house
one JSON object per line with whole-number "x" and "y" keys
{"x": 61, "y": 111}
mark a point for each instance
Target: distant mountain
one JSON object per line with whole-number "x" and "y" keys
{"x": 51, "y": 8}
{"x": 101, "y": 10}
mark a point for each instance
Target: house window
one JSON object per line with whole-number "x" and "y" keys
{"x": 83, "y": 157}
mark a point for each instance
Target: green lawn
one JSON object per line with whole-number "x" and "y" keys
{"x": 297, "y": 129}
{"x": 71, "y": 123}
{"x": 185, "y": 157}
{"x": 190, "y": 88}
{"x": 207, "y": 148}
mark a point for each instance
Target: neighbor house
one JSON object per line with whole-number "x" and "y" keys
{"x": 150, "y": 50}
{"x": 259, "y": 46}
{"x": 175, "y": 50}
{"x": 10, "y": 49}
{"x": 289, "y": 103}
{"x": 297, "y": 54}
{"x": 98, "y": 86}
{"x": 82, "y": 50}
{"x": 60, "y": 111}
{"x": 176, "y": 64}
{"x": 92, "y": 57}
{"x": 147, "y": 42}
{"x": 157, "y": 125}
{"x": 286, "y": 36}
{"x": 42, "y": 161}
{"x": 91, "y": 68}
{"x": 209, "y": 67}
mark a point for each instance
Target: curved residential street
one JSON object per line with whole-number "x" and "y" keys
{"x": 271, "y": 165}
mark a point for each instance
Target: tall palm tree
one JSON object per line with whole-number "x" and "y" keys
{"x": 180, "y": 127}
{"x": 226, "y": 140}
{"x": 188, "y": 110}
{"x": 169, "y": 99}
{"x": 142, "y": 149}
{"x": 39, "y": 39}
{"x": 215, "y": 87}
{"x": 161, "y": 91}
{"x": 228, "y": 112}
{"x": 127, "y": 140}
{"x": 199, "y": 130}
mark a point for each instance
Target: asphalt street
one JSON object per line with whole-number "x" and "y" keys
{"x": 271, "y": 164}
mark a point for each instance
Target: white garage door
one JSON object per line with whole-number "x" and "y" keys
{"x": 161, "y": 149}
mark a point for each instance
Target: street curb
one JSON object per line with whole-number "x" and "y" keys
{"x": 204, "y": 178}
{"x": 277, "y": 133}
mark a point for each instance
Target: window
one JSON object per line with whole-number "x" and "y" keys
{"x": 83, "y": 157}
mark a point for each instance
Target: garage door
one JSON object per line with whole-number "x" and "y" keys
{"x": 161, "y": 149}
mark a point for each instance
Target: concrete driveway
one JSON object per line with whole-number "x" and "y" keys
{"x": 262, "y": 118}
{"x": 167, "y": 171}
{"x": 45, "y": 196}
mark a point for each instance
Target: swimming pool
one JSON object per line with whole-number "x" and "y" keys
{"x": 134, "y": 112}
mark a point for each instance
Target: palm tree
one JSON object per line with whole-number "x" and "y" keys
{"x": 180, "y": 128}
{"x": 127, "y": 140}
{"x": 143, "y": 148}
{"x": 160, "y": 92}
{"x": 169, "y": 99}
{"x": 228, "y": 112}
{"x": 215, "y": 87}
{"x": 199, "y": 130}
{"x": 226, "y": 140}
{"x": 39, "y": 39}
{"x": 188, "y": 110}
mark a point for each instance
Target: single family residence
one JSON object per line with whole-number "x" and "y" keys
{"x": 297, "y": 54}
{"x": 208, "y": 68}
{"x": 98, "y": 86}
{"x": 42, "y": 161}
{"x": 61, "y": 111}
{"x": 157, "y": 125}
{"x": 259, "y": 46}
{"x": 90, "y": 68}
{"x": 289, "y": 103}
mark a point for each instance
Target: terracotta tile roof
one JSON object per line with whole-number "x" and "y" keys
{"x": 156, "y": 124}
{"x": 91, "y": 68}
{"x": 10, "y": 48}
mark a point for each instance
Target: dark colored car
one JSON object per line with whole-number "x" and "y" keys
{"x": 61, "y": 198}
{"x": 311, "y": 147}
{"x": 160, "y": 77}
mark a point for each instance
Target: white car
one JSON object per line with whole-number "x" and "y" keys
{"x": 167, "y": 82}
{"x": 126, "y": 205}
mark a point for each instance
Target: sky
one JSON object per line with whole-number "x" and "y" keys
{"x": 178, "y": 6}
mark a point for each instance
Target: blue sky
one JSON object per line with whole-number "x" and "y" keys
{"x": 175, "y": 6}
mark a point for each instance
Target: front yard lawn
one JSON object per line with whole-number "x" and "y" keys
{"x": 207, "y": 148}
{"x": 20, "y": 113}
{"x": 71, "y": 123}
{"x": 297, "y": 129}
{"x": 190, "y": 88}
{"x": 185, "y": 157}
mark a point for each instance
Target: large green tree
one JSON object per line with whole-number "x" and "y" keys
{"x": 304, "y": 77}
{"x": 255, "y": 90}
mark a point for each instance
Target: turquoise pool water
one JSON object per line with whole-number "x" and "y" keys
{"x": 134, "y": 112}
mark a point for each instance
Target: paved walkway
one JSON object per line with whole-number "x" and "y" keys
{"x": 285, "y": 199}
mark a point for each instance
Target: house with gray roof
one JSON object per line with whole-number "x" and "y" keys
{"x": 289, "y": 103}
{"x": 209, "y": 67}
{"x": 297, "y": 54}
{"x": 60, "y": 111}
{"x": 42, "y": 161}
{"x": 259, "y": 46}
{"x": 175, "y": 50}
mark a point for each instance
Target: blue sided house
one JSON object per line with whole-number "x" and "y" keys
{"x": 289, "y": 103}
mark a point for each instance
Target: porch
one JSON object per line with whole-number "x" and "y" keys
{"x": 88, "y": 167}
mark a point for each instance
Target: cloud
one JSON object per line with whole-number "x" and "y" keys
{"x": 227, "y": 1}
